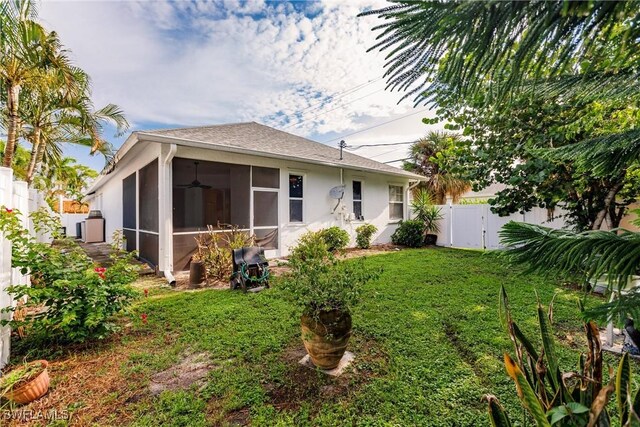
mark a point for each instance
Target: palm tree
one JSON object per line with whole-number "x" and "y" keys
{"x": 26, "y": 49}
{"x": 52, "y": 116}
{"x": 490, "y": 50}
{"x": 440, "y": 183}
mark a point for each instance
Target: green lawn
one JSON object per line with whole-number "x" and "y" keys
{"x": 427, "y": 338}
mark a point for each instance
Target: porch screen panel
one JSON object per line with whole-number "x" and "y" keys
{"x": 149, "y": 247}
{"x": 265, "y": 208}
{"x": 130, "y": 236}
{"x": 184, "y": 245}
{"x": 265, "y": 177}
{"x": 129, "y": 202}
{"x": 148, "y": 197}
{"x": 219, "y": 194}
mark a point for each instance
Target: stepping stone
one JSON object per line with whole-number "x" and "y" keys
{"x": 256, "y": 289}
{"x": 347, "y": 359}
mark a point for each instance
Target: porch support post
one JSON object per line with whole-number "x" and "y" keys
{"x": 165, "y": 207}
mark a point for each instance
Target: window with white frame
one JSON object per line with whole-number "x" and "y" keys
{"x": 296, "y": 192}
{"x": 396, "y": 202}
{"x": 357, "y": 200}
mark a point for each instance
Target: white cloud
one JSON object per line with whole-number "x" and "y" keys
{"x": 193, "y": 63}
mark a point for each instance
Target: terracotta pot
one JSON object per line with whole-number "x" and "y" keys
{"x": 326, "y": 339}
{"x": 32, "y": 390}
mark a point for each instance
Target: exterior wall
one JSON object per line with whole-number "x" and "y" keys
{"x": 317, "y": 204}
{"x": 627, "y": 221}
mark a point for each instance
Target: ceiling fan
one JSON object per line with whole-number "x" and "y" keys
{"x": 195, "y": 183}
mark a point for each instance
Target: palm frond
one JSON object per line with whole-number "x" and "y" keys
{"x": 603, "y": 155}
{"x": 590, "y": 254}
{"x": 462, "y": 46}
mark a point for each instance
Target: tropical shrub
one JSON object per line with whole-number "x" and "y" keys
{"x": 214, "y": 249}
{"x": 310, "y": 245}
{"x": 409, "y": 233}
{"x": 426, "y": 211}
{"x": 560, "y": 398}
{"x": 335, "y": 237}
{"x": 364, "y": 233}
{"x": 318, "y": 282}
{"x": 69, "y": 300}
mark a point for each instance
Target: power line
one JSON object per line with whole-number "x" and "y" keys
{"x": 383, "y": 154}
{"x": 333, "y": 109}
{"x": 378, "y": 125}
{"x": 399, "y": 160}
{"x": 385, "y": 144}
{"x": 333, "y": 98}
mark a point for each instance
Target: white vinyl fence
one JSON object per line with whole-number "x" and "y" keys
{"x": 476, "y": 227}
{"x": 14, "y": 195}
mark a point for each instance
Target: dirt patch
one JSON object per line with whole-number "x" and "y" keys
{"x": 88, "y": 385}
{"x": 191, "y": 371}
{"x": 301, "y": 385}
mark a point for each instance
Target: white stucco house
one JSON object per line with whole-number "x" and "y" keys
{"x": 164, "y": 187}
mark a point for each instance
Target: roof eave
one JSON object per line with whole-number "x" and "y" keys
{"x": 164, "y": 139}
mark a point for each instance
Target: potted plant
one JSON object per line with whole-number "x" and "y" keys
{"x": 428, "y": 213}
{"x": 324, "y": 291}
{"x": 26, "y": 383}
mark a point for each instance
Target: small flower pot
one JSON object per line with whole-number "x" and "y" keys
{"x": 326, "y": 338}
{"x": 196, "y": 272}
{"x": 31, "y": 389}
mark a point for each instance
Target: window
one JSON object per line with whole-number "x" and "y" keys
{"x": 396, "y": 202}
{"x": 357, "y": 200}
{"x": 295, "y": 198}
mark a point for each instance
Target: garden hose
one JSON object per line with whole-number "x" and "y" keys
{"x": 245, "y": 274}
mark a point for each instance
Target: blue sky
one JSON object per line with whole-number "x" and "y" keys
{"x": 297, "y": 66}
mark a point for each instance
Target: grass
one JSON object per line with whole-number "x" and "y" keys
{"x": 427, "y": 339}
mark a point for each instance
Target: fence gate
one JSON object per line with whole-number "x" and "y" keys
{"x": 476, "y": 227}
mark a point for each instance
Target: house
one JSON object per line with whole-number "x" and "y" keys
{"x": 164, "y": 187}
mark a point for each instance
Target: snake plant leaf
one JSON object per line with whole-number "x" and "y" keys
{"x": 597, "y": 414}
{"x": 635, "y": 408}
{"x": 623, "y": 388}
{"x": 525, "y": 392}
{"x": 497, "y": 414}
{"x": 548, "y": 346}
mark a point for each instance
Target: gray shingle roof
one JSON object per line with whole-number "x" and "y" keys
{"x": 257, "y": 138}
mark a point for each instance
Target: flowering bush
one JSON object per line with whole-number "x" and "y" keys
{"x": 69, "y": 299}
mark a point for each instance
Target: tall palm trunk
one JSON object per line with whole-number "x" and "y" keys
{"x": 35, "y": 149}
{"x": 13, "y": 94}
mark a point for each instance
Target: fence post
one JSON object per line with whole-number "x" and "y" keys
{"x": 6, "y": 200}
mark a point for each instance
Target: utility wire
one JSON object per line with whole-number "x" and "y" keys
{"x": 333, "y": 109}
{"x": 378, "y": 125}
{"x": 385, "y": 144}
{"x": 399, "y": 160}
{"x": 333, "y": 98}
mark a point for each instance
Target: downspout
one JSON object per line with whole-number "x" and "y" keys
{"x": 409, "y": 188}
{"x": 173, "y": 148}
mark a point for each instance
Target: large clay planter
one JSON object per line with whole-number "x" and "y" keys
{"x": 326, "y": 339}
{"x": 31, "y": 390}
